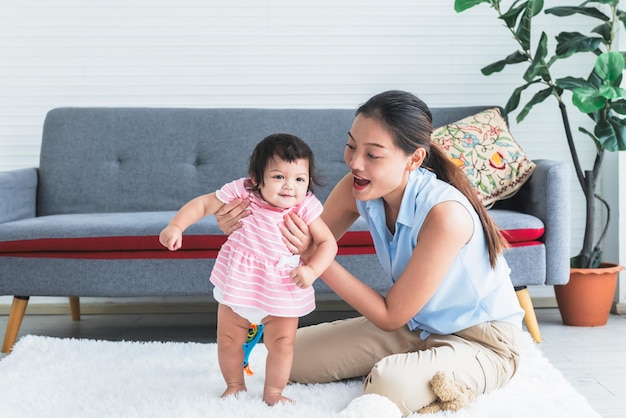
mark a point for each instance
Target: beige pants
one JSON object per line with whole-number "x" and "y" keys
{"x": 399, "y": 365}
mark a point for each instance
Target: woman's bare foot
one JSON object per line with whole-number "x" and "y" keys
{"x": 233, "y": 390}
{"x": 273, "y": 398}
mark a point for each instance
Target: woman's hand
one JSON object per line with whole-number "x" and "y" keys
{"x": 229, "y": 215}
{"x": 296, "y": 234}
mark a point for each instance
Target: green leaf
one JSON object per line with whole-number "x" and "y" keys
{"x": 593, "y": 262}
{"x": 616, "y": 140}
{"x": 621, "y": 135}
{"x": 603, "y": 30}
{"x": 539, "y": 97}
{"x": 609, "y": 66}
{"x": 588, "y": 99}
{"x": 510, "y": 17}
{"x": 461, "y": 5}
{"x": 621, "y": 16}
{"x": 571, "y": 83}
{"x": 572, "y": 10}
{"x": 619, "y": 106}
{"x": 592, "y": 136}
{"x": 552, "y": 60}
{"x": 609, "y": 133}
{"x": 574, "y": 262}
{"x": 594, "y": 79}
{"x": 523, "y": 29}
{"x": 514, "y": 58}
{"x": 538, "y": 68}
{"x": 535, "y": 6}
{"x": 513, "y": 101}
{"x": 569, "y": 43}
{"x": 610, "y": 92}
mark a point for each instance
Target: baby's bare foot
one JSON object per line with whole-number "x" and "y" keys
{"x": 273, "y": 398}
{"x": 233, "y": 390}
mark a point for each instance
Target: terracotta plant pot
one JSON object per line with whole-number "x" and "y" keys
{"x": 586, "y": 300}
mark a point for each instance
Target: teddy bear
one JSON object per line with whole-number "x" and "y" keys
{"x": 451, "y": 395}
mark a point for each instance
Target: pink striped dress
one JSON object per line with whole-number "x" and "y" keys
{"x": 252, "y": 267}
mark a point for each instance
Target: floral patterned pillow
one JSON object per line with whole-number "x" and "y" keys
{"x": 482, "y": 146}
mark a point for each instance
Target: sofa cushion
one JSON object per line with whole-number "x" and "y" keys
{"x": 483, "y": 147}
{"x": 138, "y": 158}
{"x": 518, "y": 228}
{"x": 135, "y": 235}
{"x": 129, "y": 235}
{"x": 156, "y": 159}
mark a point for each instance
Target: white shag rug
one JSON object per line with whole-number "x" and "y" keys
{"x": 51, "y": 377}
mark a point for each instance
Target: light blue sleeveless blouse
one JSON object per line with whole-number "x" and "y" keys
{"x": 472, "y": 292}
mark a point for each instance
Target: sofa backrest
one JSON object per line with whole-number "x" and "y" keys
{"x": 155, "y": 159}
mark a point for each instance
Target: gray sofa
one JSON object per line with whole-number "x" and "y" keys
{"x": 86, "y": 221}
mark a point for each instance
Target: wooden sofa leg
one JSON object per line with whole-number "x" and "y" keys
{"x": 18, "y": 308}
{"x": 530, "y": 319}
{"x": 75, "y": 308}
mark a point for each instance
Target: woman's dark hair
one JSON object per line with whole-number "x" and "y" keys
{"x": 288, "y": 148}
{"x": 410, "y": 123}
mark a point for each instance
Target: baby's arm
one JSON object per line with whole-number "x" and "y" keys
{"x": 171, "y": 236}
{"x": 318, "y": 262}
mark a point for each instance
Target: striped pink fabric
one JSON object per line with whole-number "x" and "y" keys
{"x": 252, "y": 267}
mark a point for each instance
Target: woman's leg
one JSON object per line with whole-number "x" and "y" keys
{"x": 232, "y": 331}
{"x": 345, "y": 349}
{"x": 278, "y": 336}
{"x": 473, "y": 361}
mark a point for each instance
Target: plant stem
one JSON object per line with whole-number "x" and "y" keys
{"x": 598, "y": 246}
{"x": 571, "y": 145}
{"x": 585, "y": 254}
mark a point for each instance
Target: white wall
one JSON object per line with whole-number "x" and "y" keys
{"x": 256, "y": 53}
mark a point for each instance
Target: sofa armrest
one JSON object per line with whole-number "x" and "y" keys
{"x": 546, "y": 195}
{"x": 18, "y": 191}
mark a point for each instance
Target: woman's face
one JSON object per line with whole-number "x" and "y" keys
{"x": 379, "y": 168}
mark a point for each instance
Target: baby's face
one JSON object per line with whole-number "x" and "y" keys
{"x": 285, "y": 184}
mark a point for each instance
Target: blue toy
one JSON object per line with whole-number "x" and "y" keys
{"x": 254, "y": 335}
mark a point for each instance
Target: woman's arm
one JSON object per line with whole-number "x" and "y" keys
{"x": 340, "y": 210}
{"x": 324, "y": 254}
{"x": 447, "y": 228}
{"x": 325, "y": 247}
{"x": 339, "y": 214}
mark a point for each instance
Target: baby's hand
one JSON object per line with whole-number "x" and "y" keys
{"x": 303, "y": 276}
{"x": 171, "y": 237}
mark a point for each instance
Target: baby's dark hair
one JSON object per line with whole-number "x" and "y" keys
{"x": 288, "y": 148}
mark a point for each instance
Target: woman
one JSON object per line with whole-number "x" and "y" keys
{"x": 449, "y": 326}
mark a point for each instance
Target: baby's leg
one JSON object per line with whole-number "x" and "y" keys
{"x": 279, "y": 337}
{"x": 232, "y": 330}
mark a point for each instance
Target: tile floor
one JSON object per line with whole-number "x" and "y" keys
{"x": 592, "y": 359}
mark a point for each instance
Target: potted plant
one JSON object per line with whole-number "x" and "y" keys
{"x": 600, "y": 96}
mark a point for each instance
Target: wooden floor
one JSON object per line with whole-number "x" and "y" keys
{"x": 592, "y": 359}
